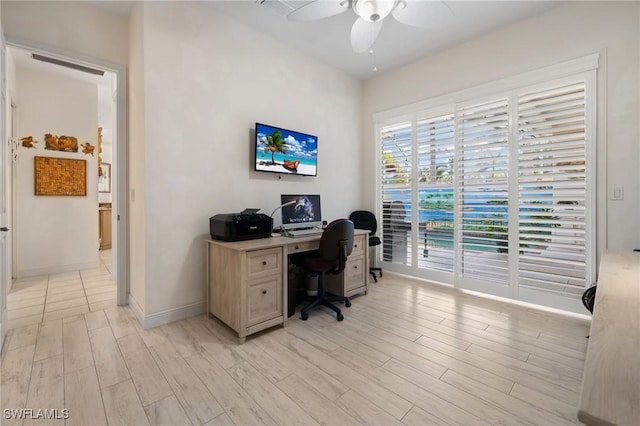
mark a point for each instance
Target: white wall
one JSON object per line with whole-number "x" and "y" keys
{"x": 137, "y": 228}
{"x": 68, "y": 26}
{"x": 207, "y": 80}
{"x": 55, "y": 233}
{"x": 566, "y": 32}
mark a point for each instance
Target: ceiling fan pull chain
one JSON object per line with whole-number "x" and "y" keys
{"x": 373, "y": 59}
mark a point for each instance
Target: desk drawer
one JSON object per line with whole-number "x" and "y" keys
{"x": 358, "y": 244}
{"x": 303, "y": 246}
{"x": 352, "y": 279}
{"x": 261, "y": 263}
{"x": 264, "y": 299}
{"x": 354, "y": 273}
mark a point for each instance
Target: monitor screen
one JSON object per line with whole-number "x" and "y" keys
{"x": 303, "y": 212}
{"x": 285, "y": 151}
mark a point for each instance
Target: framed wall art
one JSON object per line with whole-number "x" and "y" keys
{"x": 60, "y": 176}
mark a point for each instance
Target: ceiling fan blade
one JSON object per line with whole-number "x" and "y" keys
{"x": 317, "y": 10}
{"x": 364, "y": 34}
{"x": 423, "y": 13}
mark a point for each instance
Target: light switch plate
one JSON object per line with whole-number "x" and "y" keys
{"x": 618, "y": 193}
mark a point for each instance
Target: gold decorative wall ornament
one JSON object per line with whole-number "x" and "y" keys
{"x": 28, "y": 142}
{"x": 60, "y": 176}
{"x": 87, "y": 148}
{"x": 60, "y": 143}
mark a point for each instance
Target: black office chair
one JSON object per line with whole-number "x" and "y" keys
{"x": 336, "y": 244}
{"x": 363, "y": 219}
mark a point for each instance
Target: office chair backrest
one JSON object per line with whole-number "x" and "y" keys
{"x": 336, "y": 242}
{"x": 363, "y": 219}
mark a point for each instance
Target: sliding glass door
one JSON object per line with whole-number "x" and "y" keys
{"x": 482, "y": 205}
{"x": 494, "y": 194}
{"x": 555, "y": 202}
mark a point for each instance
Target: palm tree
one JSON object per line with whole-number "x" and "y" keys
{"x": 274, "y": 143}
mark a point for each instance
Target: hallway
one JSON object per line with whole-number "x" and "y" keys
{"x": 42, "y": 298}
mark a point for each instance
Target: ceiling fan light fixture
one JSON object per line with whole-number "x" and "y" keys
{"x": 373, "y": 10}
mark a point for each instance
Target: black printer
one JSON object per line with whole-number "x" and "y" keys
{"x": 247, "y": 225}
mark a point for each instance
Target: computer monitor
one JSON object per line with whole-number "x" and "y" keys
{"x": 303, "y": 212}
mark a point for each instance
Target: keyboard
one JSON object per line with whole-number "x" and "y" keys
{"x": 303, "y": 232}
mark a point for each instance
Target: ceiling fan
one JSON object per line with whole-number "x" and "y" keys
{"x": 371, "y": 15}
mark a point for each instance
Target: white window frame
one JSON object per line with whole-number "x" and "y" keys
{"x": 586, "y": 68}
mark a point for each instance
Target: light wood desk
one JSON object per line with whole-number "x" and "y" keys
{"x": 247, "y": 281}
{"x": 610, "y": 392}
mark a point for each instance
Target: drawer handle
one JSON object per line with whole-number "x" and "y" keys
{"x": 355, "y": 245}
{"x": 355, "y": 266}
{"x": 264, "y": 263}
{"x": 297, "y": 247}
{"x": 264, "y": 291}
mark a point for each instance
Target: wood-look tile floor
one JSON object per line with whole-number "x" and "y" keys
{"x": 33, "y": 300}
{"x": 406, "y": 354}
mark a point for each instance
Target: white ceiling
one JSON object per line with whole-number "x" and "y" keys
{"x": 23, "y": 59}
{"x": 328, "y": 40}
{"x": 104, "y": 84}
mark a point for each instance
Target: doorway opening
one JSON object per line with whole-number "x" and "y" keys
{"x": 86, "y": 270}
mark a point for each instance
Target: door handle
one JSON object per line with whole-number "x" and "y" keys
{"x": 4, "y": 229}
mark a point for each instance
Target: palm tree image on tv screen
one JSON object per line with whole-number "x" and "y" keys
{"x": 285, "y": 151}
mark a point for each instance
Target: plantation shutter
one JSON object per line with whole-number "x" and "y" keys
{"x": 552, "y": 189}
{"x": 482, "y": 202}
{"x": 492, "y": 188}
{"x": 396, "y": 192}
{"x": 435, "y": 147}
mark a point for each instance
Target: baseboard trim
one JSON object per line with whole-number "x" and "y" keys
{"x": 165, "y": 317}
{"x": 137, "y": 310}
{"x": 3, "y": 337}
{"x": 56, "y": 269}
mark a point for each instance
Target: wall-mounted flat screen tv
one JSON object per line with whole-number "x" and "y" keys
{"x": 285, "y": 151}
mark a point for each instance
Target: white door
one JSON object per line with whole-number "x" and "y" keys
{"x": 4, "y": 205}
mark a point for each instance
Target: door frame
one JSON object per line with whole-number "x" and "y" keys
{"x": 122, "y": 150}
{"x": 5, "y": 158}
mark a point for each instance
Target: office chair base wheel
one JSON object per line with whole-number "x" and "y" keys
{"x": 304, "y": 317}
{"x": 347, "y": 303}
{"x": 339, "y": 317}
